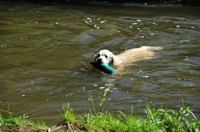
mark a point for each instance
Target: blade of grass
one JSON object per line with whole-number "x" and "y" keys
{"x": 103, "y": 95}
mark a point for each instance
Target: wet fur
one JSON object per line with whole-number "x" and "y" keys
{"x": 125, "y": 58}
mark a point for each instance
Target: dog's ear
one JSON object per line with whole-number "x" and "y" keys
{"x": 96, "y": 56}
{"x": 115, "y": 60}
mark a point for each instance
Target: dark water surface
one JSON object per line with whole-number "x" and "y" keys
{"x": 45, "y": 53}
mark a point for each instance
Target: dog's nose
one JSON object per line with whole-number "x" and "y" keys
{"x": 99, "y": 60}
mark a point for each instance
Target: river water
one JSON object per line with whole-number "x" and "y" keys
{"x": 45, "y": 54}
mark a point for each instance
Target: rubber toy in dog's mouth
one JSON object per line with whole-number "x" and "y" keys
{"x": 103, "y": 67}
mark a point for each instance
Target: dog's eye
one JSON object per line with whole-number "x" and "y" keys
{"x": 98, "y": 55}
{"x": 106, "y": 56}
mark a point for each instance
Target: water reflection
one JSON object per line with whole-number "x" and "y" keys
{"x": 45, "y": 53}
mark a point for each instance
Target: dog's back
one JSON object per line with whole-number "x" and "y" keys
{"x": 132, "y": 55}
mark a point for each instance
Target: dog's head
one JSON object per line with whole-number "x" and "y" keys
{"x": 104, "y": 57}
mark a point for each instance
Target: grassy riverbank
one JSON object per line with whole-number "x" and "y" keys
{"x": 157, "y": 120}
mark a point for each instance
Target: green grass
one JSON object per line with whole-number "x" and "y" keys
{"x": 13, "y": 121}
{"x": 156, "y": 120}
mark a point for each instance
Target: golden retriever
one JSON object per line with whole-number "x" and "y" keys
{"x": 125, "y": 58}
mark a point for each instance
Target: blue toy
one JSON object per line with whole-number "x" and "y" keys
{"x": 103, "y": 67}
